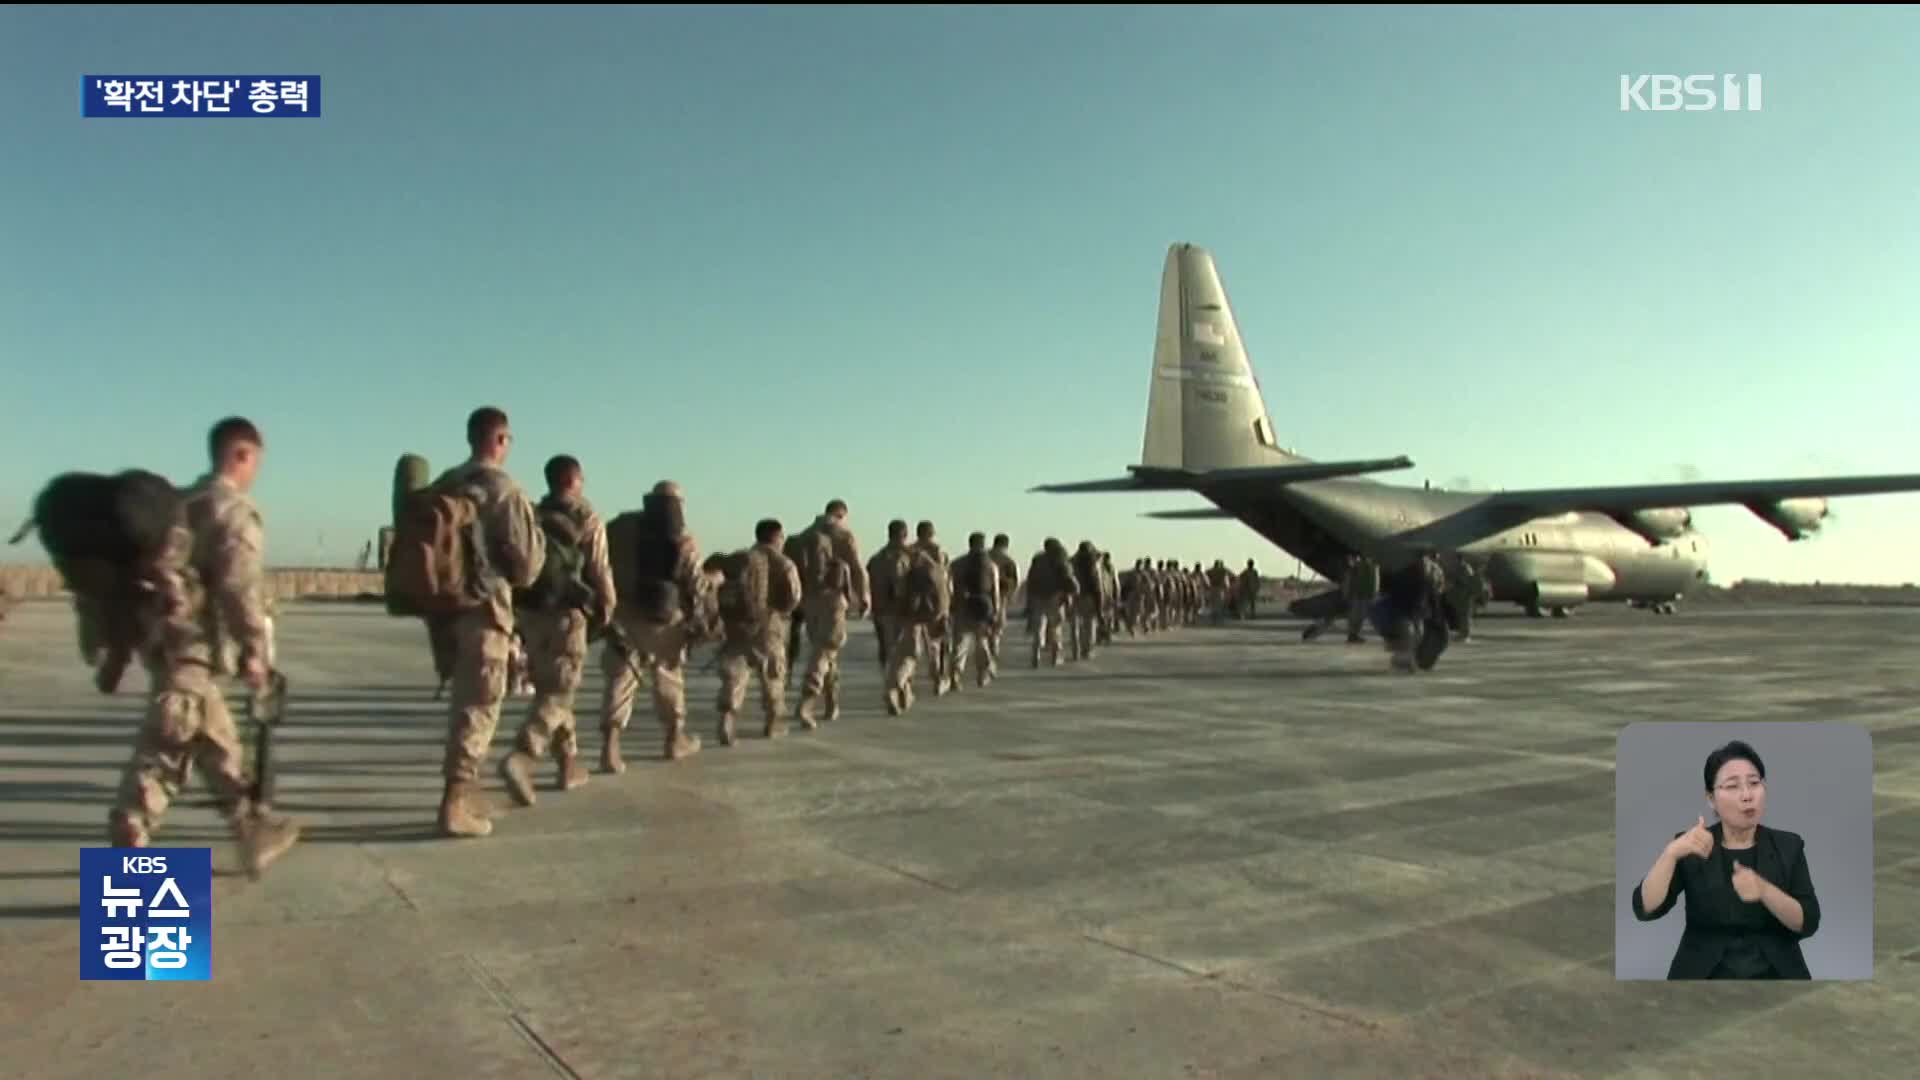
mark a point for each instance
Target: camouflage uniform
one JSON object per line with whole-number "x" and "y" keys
{"x": 1411, "y": 609}
{"x": 1219, "y": 586}
{"x": 882, "y": 622}
{"x": 208, "y": 590}
{"x": 836, "y": 591}
{"x": 760, "y": 648}
{"x": 1249, "y": 586}
{"x": 1169, "y": 595}
{"x": 1465, "y": 590}
{"x": 1009, "y": 574}
{"x": 1050, "y": 595}
{"x": 1109, "y": 599}
{"x": 908, "y": 631}
{"x": 932, "y": 639}
{"x": 1086, "y": 602}
{"x": 556, "y": 643}
{"x": 972, "y": 636}
{"x": 1145, "y": 606}
{"x": 516, "y": 549}
{"x": 660, "y": 651}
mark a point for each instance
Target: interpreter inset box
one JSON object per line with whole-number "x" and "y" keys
{"x": 1743, "y": 851}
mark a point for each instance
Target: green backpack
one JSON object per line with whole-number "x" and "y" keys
{"x": 562, "y": 583}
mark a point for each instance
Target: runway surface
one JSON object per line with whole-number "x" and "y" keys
{"x": 1218, "y": 852}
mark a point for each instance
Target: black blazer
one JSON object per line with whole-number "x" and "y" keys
{"x": 1781, "y": 858}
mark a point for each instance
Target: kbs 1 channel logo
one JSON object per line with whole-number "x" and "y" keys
{"x": 146, "y": 913}
{"x": 158, "y": 97}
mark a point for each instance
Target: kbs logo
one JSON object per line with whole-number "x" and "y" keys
{"x": 146, "y": 914}
{"x": 1689, "y": 93}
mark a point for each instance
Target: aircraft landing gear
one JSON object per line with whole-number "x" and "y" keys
{"x": 1560, "y": 613}
{"x": 1534, "y": 612}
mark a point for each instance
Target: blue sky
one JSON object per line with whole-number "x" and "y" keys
{"x": 911, "y": 257}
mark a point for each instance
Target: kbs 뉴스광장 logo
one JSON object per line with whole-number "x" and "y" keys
{"x": 146, "y": 913}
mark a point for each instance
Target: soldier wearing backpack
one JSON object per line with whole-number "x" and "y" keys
{"x": 1051, "y": 592}
{"x": 1109, "y": 598}
{"x": 759, "y": 592}
{"x": 663, "y": 612}
{"x": 834, "y": 582}
{"x": 1009, "y": 572}
{"x": 976, "y": 609}
{"x": 883, "y": 584}
{"x": 1086, "y": 602}
{"x": 572, "y": 598}
{"x": 931, "y": 639}
{"x": 463, "y": 545}
{"x": 922, "y": 598}
{"x": 205, "y": 587}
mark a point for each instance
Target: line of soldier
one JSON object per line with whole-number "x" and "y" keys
{"x": 204, "y": 612}
{"x": 754, "y": 605}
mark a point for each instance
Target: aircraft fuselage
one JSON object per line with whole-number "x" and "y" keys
{"x": 1548, "y": 562}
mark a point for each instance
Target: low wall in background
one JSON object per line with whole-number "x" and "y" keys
{"x": 43, "y": 582}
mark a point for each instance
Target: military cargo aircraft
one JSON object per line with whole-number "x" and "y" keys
{"x": 1548, "y": 550}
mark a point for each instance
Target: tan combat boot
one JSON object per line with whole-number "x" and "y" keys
{"x": 572, "y": 774}
{"x": 805, "y": 712}
{"x": 680, "y": 745}
{"x": 726, "y": 729}
{"x": 123, "y": 831}
{"x": 831, "y": 692}
{"x": 463, "y": 810}
{"x": 517, "y": 770}
{"x": 610, "y": 752}
{"x": 776, "y": 728}
{"x": 263, "y": 839}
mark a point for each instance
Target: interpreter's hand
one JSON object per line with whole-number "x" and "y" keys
{"x": 1748, "y": 884}
{"x": 1696, "y": 841}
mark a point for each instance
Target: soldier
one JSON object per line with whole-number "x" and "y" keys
{"x": 654, "y": 628}
{"x": 482, "y": 635}
{"x": 209, "y": 586}
{"x": 758, "y": 595}
{"x": 1465, "y": 590}
{"x": 1147, "y": 596}
{"x": 920, "y": 605}
{"x": 573, "y": 599}
{"x": 1009, "y": 572}
{"x": 1219, "y": 585}
{"x": 1052, "y": 590}
{"x": 1109, "y": 599}
{"x": 1249, "y": 592}
{"x": 1409, "y": 616}
{"x": 1362, "y": 585}
{"x": 834, "y": 581}
{"x": 1174, "y": 586}
{"x": 976, "y": 607}
{"x": 878, "y": 568}
{"x": 1085, "y": 613}
{"x": 932, "y": 637}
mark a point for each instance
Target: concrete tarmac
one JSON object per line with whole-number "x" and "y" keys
{"x": 1217, "y": 852}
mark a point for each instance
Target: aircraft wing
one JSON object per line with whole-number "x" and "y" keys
{"x": 1204, "y": 513}
{"x": 1510, "y": 509}
{"x": 1145, "y": 478}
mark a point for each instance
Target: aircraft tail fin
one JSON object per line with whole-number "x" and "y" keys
{"x": 1204, "y": 408}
